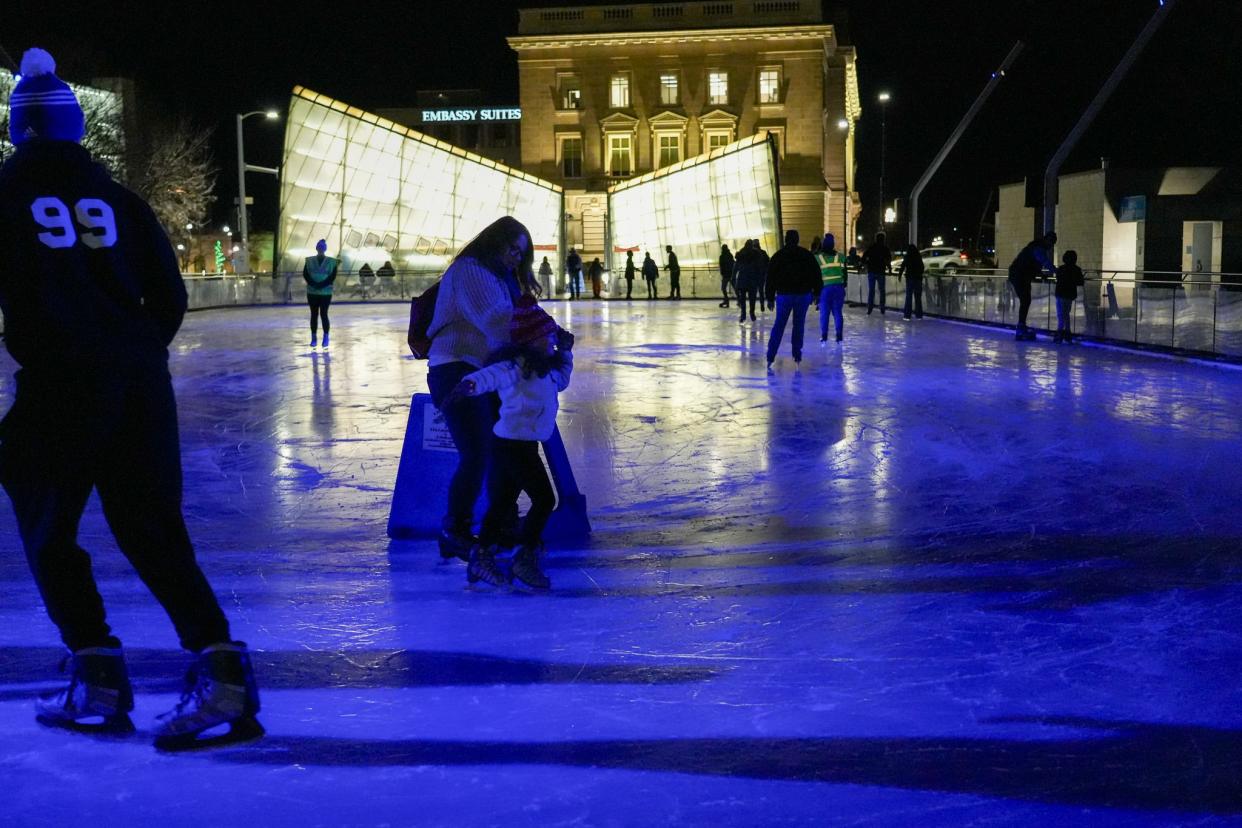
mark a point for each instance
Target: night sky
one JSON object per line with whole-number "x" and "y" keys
{"x": 1178, "y": 106}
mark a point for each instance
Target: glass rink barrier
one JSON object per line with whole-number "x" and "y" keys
{"x": 224, "y": 290}
{"x": 379, "y": 192}
{"x": 1199, "y": 312}
{"x": 726, "y": 196}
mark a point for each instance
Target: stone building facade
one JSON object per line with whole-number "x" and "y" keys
{"x": 610, "y": 92}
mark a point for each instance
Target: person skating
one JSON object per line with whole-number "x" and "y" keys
{"x": 545, "y": 277}
{"x": 596, "y": 274}
{"x": 573, "y": 267}
{"x": 912, "y": 269}
{"x": 833, "y": 279}
{"x": 528, "y": 374}
{"x": 1069, "y": 279}
{"x": 473, "y": 309}
{"x": 748, "y": 279}
{"x": 651, "y": 272}
{"x": 674, "y": 273}
{"x": 1026, "y": 267}
{"x": 762, "y": 259}
{"x": 793, "y": 279}
{"x": 878, "y": 260}
{"x": 726, "y": 274}
{"x": 319, "y": 272}
{"x": 629, "y": 274}
{"x": 92, "y": 296}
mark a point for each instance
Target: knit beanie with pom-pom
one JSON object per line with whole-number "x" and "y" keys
{"x": 42, "y": 105}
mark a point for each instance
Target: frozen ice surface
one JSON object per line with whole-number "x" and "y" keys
{"x": 931, "y": 577}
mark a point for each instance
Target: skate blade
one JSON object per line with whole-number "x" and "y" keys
{"x": 241, "y": 731}
{"x": 113, "y": 727}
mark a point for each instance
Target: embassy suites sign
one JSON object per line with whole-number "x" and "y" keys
{"x": 437, "y": 116}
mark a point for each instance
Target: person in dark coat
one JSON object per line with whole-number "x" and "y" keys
{"x": 726, "y": 274}
{"x": 912, "y": 269}
{"x": 793, "y": 278}
{"x": 1031, "y": 261}
{"x": 573, "y": 268}
{"x": 878, "y": 260}
{"x": 92, "y": 297}
{"x": 747, "y": 279}
{"x": 766, "y": 300}
{"x": 629, "y": 274}
{"x": 596, "y": 274}
{"x": 1069, "y": 279}
{"x": 674, "y": 273}
{"x": 651, "y": 272}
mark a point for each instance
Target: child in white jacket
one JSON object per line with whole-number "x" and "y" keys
{"x": 528, "y": 374}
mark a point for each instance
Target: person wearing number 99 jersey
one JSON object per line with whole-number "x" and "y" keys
{"x": 92, "y": 297}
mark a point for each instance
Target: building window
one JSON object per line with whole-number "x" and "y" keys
{"x": 718, "y": 138}
{"x": 620, "y": 155}
{"x": 669, "y": 148}
{"x": 619, "y": 92}
{"x": 778, "y": 135}
{"x": 570, "y": 153}
{"x": 769, "y": 85}
{"x": 717, "y": 87}
{"x": 569, "y": 92}
{"x": 668, "y": 88}
{"x": 571, "y": 156}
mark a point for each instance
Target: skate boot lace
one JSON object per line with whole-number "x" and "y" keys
{"x": 192, "y": 696}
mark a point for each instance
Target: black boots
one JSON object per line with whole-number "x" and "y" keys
{"x": 482, "y": 566}
{"x": 219, "y": 690}
{"x": 526, "y": 567}
{"x": 98, "y": 699}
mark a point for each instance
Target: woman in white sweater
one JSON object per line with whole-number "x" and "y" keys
{"x": 473, "y": 311}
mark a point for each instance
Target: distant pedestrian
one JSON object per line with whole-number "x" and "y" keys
{"x": 1069, "y": 279}
{"x": 573, "y": 269}
{"x": 815, "y": 245}
{"x": 878, "y": 260}
{"x": 912, "y": 269}
{"x": 387, "y": 278}
{"x": 674, "y": 273}
{"x": 1031, "y": 261}
{"x": 596, "y": 273}
{"x": 793, "y": 278}
{"x": 853, "y": 261}
{"x": 545, "y": 277}
{"x": 651, "y": 272}
{"x": 726, "y": 274}
{"x": 766, "y": 298}
{"x": 629, "y": 274}
{"x": 319, "y": 272}
{"x": 747, "y": 279}
{"x": 832, "y": 279}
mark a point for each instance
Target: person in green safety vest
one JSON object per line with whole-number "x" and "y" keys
{"x": 832, "y": 278}
{"x": 319, "y": 273}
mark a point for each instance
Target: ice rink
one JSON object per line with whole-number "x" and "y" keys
{"x": 932, "y": 576}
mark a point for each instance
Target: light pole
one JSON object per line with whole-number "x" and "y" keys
{"x": 883, "y": 98}
{"x": 242, "y": 168}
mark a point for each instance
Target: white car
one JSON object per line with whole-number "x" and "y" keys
{"x": 947, "y": 259}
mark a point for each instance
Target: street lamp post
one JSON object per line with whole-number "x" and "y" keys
{"x": 883, "y": 98}
{"x": 243, "y": 226}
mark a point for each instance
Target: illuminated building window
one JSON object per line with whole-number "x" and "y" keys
{"x": 619, "y": 91}
{"x": 668, "y": 89}
{"x": 569, "y": 92}
{"x": 717, "y": 139}
{"x": 717, "y": 87}
{"x": 571, "y": 155}
{"x": 669, "y": 149}
{"x": 620, "y": 155}
{"x": 769, "y": 85}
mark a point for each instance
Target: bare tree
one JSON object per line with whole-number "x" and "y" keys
{"x": 177, "y": 176}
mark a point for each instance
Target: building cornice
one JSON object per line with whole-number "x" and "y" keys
{"x": 526, "y": 43}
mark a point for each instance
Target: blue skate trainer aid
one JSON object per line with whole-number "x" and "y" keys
{"x": 428, "y": 458}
